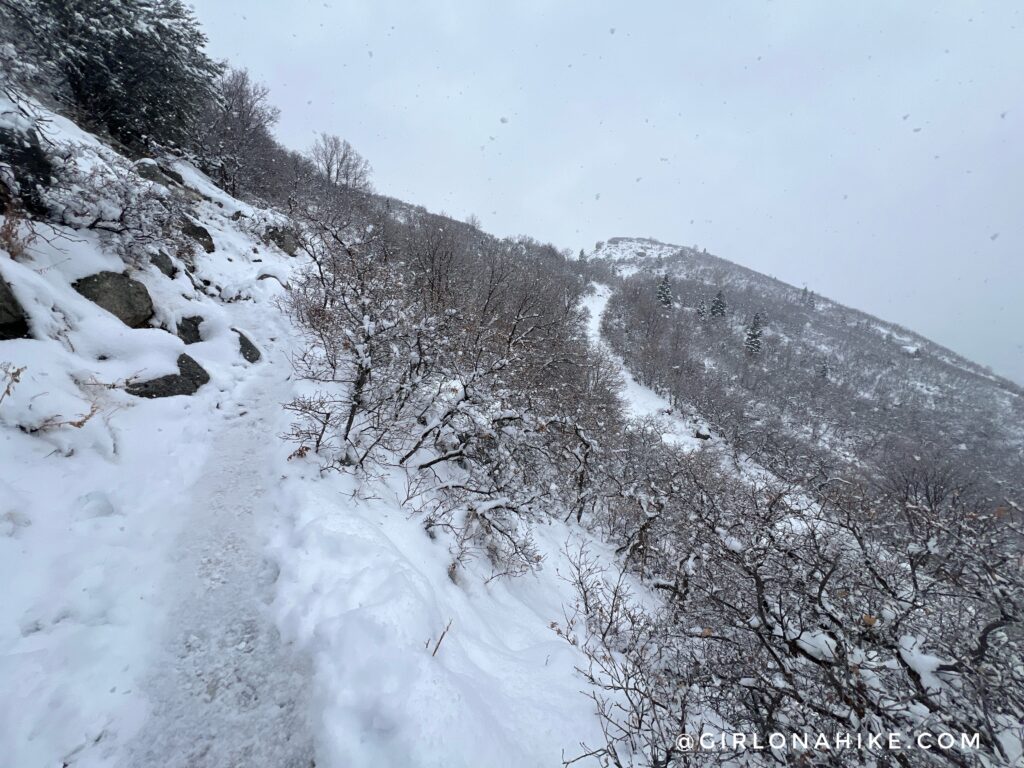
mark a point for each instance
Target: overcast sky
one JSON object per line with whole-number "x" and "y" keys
{"x": 873, "y": 151}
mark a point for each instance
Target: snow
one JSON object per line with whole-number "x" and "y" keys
{"x": 630, "y": 248}
{"x": 221, "y": 661}
{"x": 96, "y": 512}
{"x": 367, "y": 593}
{"x": 639, "y": 401}
{"x": 185, "y": 595}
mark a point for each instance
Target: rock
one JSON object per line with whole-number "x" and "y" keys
{"x": 284, "y": 238}
{"x": 118, "y": 294}
{"x": 198, "y": 233}
{"x": 702, "y": 434}
{"x": 188, "y": 329}
{"x": 173, "y": 175}
{"x": 246, "y": 347}
{"x": 13, "y": 323}
{"x": 163, "y": 262}
{"x": 187, "y": 381}
{"x": 30, "y": 167}
{"x": 150, "y": 169}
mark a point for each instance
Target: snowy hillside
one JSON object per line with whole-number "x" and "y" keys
{"x": 832, "y": 377}
{"x": 296, "y": 474}
{"x": 184, "y": 594}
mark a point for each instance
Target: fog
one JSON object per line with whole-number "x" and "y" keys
{"x": 869, "y": 150}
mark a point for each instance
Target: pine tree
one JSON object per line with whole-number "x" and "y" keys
{"x": 665, "y": 292}
{"x": 702, "y": 310}
{"x": 752, "y": 343}
{"x": 807, "y": 298}
{"x": 134, "y": 67}
{"x": 718, "y": 305}
{"x": 583, "y": 256}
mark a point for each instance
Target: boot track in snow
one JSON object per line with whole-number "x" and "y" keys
{"x": 225, "y": 690}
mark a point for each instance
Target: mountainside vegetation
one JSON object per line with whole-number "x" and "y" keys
{"x": 840, "y": 553}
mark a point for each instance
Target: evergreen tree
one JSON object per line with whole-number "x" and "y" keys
{"x": 702, "y": 310}
{"x": 807, "y": 298}
{"x": 665, "y": 292}
{"x": 582, "y": 256}
{"x": 752, "y": 343}
{"x": 718, "y": 305}
{"x": 134, "y": 67}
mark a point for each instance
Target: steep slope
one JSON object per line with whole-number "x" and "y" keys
{"x": 183, "y": 591}
{"x": 103, "y": 536}
{"x": 842, "y": 383}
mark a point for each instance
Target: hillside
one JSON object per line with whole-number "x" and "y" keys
{"x": 184, "y": 593}
{"x": 841, "y": 382}
{"x": 294, "y": 474}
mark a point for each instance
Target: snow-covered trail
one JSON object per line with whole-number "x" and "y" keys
{"x": 224, "y": 690}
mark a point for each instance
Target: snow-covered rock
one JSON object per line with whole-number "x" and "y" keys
{"x": 124, "y": 298}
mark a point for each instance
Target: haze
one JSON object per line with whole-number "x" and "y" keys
{"x": 869, "y": 150}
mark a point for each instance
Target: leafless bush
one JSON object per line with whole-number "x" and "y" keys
{"x": 105, "y": 194}
{"x": 16, "y": 231}
{"x": 854, "y": 611}
{"x": 434, "y": 351}
{"x": 11, "y": 377}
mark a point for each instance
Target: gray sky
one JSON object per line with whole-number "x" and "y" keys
{"x": 871, "y": 150}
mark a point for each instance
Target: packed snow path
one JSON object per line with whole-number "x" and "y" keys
{"x": 225, "y": 691}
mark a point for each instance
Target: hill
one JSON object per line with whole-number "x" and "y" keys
{"x": 295, "y": 473}
{"x": 826, "y": 380}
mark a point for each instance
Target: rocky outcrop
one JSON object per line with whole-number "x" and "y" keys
{"x": 198, "y": 233}
{"x": 150, "y": 169}
{"x": 117, "y": 293}
{"x": 29, "y": 166}
{"x": 284, "y": 238}
{"x": 188, "y": 329}
{"x": 13, "y": 323}
{"x": 246, "y": 347}
{"x": 187, "y": 381}
{"x": 163, "y": 262}
{"x": 173, "y": 175}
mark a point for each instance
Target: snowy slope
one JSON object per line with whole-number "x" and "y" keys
{"x": 98, "y": 516}
{"x": 826, "y": 375}
{"x": 639, "y": 401}
{"x": 183, "y": 594}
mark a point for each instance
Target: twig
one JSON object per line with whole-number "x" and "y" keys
{"x": 441, "y": 638}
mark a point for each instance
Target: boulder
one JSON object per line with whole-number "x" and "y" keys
{"x": 150, "y": 169}
{"x": 198, "y": 233}
{"x": 188, "y": 329}
{"x": 13, "y": 323}
{"x": 118, "y": 294}
{"x": 30, "y": 167}
{"x": 187, "y": 381}
{"x": 702, "y": 433}
{"x": 163, "y": 262}
{"x": 284, "y": 238}
{"x": 173, "y": 175}
{"x": 246, "y": 347}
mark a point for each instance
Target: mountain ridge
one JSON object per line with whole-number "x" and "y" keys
{"x": 612, "y": 250}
